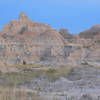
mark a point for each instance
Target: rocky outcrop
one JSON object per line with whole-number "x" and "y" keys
{"x": 24, "y": 41}
{"x": 91, "y": 33}
{"x": 67, "y": 64}
{"x": 65, "y": 33}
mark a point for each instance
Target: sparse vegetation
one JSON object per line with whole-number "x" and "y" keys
{"x": 15, "y": 94}
{"x": 25, "y": 66}
{"x": 21, "y": 94}
{"x": 54, "y": 73}
{"x": 51, "y": 70}
{"x": 15, "y": 79}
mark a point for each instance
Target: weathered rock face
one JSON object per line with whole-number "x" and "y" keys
{"x": 23, "y": 41}
{"x": 65, "y": 33}
{"x": 27, "y": 41}
{"x": 91, "y": 33}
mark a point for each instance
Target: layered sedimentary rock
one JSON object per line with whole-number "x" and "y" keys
{"x": 91, "y": 33}
{"x": 26, "y": 42}
{"x": 65, "y": 33}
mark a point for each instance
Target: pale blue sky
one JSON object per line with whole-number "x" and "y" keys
{"x": 75, "y": 15}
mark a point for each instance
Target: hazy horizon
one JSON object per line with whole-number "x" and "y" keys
{"x": 74, "y": 15}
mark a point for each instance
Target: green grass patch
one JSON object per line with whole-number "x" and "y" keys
{"x": 54, "y": 74}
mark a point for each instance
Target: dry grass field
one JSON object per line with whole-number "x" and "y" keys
{"x": 15, "y": 94}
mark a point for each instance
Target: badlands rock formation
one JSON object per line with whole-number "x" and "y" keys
{"x": 25, "y": 42}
